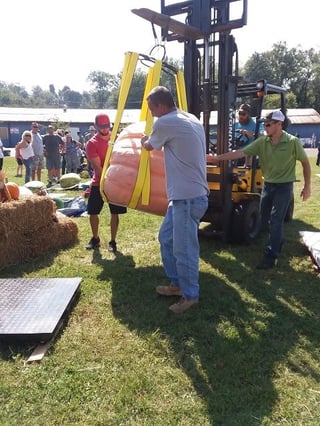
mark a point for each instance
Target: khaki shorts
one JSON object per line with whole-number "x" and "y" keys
{"x": 38, "y": 162}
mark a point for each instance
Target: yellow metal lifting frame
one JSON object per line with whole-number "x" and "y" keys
{"x": 143, "y": 182}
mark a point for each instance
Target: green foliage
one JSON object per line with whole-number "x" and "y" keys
{"x": 296, "y": 69}
{"x": 103, "y": 83}
{"x": 136, "y": 91}
{"x": 247, "y": 355}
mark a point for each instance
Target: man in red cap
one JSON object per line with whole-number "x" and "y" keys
{"x": 96, "y": 150}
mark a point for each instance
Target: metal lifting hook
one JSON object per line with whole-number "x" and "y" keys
{"x": 158, "y": 51}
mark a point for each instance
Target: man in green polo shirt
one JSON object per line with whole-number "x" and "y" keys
{"x": 278, "y": 152}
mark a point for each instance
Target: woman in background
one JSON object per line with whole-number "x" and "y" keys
{"x": 25, "y": 150}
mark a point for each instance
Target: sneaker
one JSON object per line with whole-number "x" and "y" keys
{"x": 112, "y": 246}
{"x": 182, "y": 305}
{"x": 168, "y": 290}
{"x": 93, "y": 243}
{"x": 267, "y": 263}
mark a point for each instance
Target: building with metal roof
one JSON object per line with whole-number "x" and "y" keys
{"x": 14, "y": 121}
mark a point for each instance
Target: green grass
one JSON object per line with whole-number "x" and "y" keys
{"x": 247, "y": 355}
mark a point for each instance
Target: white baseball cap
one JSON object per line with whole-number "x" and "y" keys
{"x": 274, "y": 116}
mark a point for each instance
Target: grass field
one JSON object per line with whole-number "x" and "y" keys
{"x": 249, "y": 354}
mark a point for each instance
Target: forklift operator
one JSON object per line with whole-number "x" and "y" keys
{"x": 278, "y": 152}
{"x": 245, "y": 127}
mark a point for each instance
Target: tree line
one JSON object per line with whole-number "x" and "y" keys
{"x": 295, "y": 69}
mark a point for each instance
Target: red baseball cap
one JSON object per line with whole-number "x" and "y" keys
{"x": 102, "y": 121}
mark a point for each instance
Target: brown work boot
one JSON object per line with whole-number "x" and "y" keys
{"x": 183, "y": 304}
{"x": 168, "y": 290}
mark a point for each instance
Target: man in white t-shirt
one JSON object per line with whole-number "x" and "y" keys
{"x": 38, "y": 159}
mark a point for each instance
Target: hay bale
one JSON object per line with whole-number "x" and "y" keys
{"x": 60, "y": 234}
{"x": 30, "y": 228}
{"x": 31, "y": 213}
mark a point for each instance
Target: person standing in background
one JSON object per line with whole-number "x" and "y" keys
{"x": 1, "y": 154}
{"x": 38, "y": 159}
{"x": 71, "y": 154}
{"x": 53, "y": 144}
{"x": 63, "y": 133}
{"x": 24, "y": 148}
{"x": 19, "y": 162}
{"x": 81, "y": 139}
{"x": 91, "y": 132}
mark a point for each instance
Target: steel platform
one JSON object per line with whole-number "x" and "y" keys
{"x": 33, "y": 309}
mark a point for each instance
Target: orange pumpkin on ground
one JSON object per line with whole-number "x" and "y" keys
{"x": 121, "y": 175}
{"x": 13, "y": 189}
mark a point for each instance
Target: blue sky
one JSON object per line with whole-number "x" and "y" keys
{"x": 61, "y": 42}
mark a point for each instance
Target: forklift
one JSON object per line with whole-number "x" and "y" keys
{"x": 211, "y": 71}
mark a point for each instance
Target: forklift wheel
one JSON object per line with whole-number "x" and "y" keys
{"x": 245, "y": 224}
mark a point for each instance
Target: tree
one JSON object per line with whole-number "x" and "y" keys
{"x": 70, "y": 98}
{"x": 167, "y": 77}
{"x": 295, "y": 69}
{"x": 103, "y": 83}
{"x": 7, "y": 97}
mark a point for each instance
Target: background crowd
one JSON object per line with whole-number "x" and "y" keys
{"x": 57, "y": 151}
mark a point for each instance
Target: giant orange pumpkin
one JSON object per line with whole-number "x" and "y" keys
{"x": 13, "y": 189}
{"x": 121, "y": 175}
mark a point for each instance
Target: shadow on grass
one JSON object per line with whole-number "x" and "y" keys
{"x": 247, "y": 323}
{"x": 34, "y": 264}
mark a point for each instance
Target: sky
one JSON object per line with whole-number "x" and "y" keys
{"x": 61, "y": 42}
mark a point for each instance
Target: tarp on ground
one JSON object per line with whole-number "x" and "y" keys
{"x": 312, "y": 242}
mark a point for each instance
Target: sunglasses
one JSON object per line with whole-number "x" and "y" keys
{"x": 27, "y": 136}
{"x": 269, "y": 124}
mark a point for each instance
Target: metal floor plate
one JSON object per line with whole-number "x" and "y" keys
{"x": 33, "y": 307}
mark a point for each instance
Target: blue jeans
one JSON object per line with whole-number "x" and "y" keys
{"x": 274, "y": 203}
{"x": 179, "y": 243}
{"x": 28, "y": 166}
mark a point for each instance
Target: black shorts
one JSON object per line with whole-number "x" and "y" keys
{"x": 95, "y": 203}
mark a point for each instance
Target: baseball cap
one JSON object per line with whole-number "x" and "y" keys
{"x": 245, "y": 108}
{"x": 92, "y": 128}
{"x": 273, "y": 116}
{"x": 102, "y": 121}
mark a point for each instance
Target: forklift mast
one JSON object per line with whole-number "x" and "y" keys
{"x": 211, "y": 75}
{"x": 210, "y": 62}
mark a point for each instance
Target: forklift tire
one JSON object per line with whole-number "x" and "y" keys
{"x": 245, "y": 225}
{"x": 289, "y": 215}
